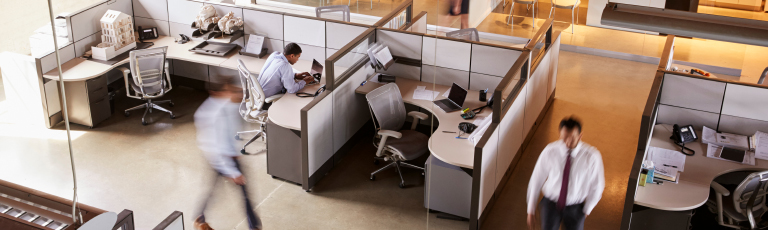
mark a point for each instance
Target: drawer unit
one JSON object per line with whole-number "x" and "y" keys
{"x": 88, "y": 101}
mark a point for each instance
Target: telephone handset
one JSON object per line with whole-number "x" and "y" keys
{"x": 488, "y": 104}
{"x": 682, "y": 135}
{"x": 318, "y": 92}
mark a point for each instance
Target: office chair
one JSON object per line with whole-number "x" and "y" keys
{"x": 748, "y": 195}
{"x": 762, "y": 76}
{"x": 526, "y": 2}
{"x": 469, "y": 34}
{"x": 147, "y": 81}
{"x": 344, "y": 10}
{"x": 392, "y": 142}
{"x": 251, "y": 108}
{"x": 568, "y": 5}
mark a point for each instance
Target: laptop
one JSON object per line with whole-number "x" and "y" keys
{"x": 316, "y": 72}
{"x": 454, "y": 101}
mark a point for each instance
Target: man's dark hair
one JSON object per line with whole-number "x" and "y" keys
{"x": 292, "y": 48}
{"x": 570, "y": 123}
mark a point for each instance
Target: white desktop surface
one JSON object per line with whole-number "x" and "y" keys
{"x": 692, "y": 189}
{"x": 444, "y": 146}
{"x": 286, "y": 112}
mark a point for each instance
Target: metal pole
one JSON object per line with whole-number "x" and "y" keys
{"x": 64, "y": 110}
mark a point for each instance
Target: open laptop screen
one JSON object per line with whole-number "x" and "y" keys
{"x": 457, "y": 94}
{"x": 317, "y": 70}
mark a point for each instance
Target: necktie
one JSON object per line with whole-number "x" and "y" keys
{"x": 564, "y": 185}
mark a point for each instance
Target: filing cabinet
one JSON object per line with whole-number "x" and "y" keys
{"x": 88, "y": 101}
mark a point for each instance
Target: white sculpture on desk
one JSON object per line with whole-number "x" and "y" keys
{"x": 116, "y": 35}
{"x": 206, "y": 17}
{"x": 229, "y": 23}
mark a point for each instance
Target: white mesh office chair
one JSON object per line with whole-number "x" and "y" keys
{"x": 325, "y": 10}
{"x": 526, "y": 2}
{"x": 147, "y": 80}
{"x": 469, "y": 34}
{"x": 749, "y": 195}
{"x": 568, "y": 5}
{"x": 251, "y": 108}
{"x": 395, "y": 144}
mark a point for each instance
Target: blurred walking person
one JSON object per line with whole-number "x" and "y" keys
{"x": 217, "y": 120}
{"x": 460, "y": 8}
{"x": 569, "y": 173}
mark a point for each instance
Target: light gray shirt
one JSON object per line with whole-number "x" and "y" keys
{"x": 216, "y": 121}
{"x": 277, "y": 76}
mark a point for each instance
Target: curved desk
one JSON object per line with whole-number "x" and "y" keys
{"x": 692, "y": 189}
{"x": 443, "y": 146}
{"x": 79, "y": 69}
{"x": 286, "y": 112}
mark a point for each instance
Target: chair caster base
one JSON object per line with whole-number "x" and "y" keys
{"x": 308, "y": 190}
{"x": 242, "y": 151}
{"x": 373, "y": 177}
{"x": 127, "y": 114}
{"x": 237, "y": 137}
{"x": 170, "y": 104}
{"x": 375, "y": 162}
{"x": 144, "y": 123}
{"x": 173, "y": 116}
{"x": 274, "y": 177}
{"x": 402, "y": 184}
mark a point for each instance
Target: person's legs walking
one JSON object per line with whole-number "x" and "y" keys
{"x": 573, "y": 217}
{"x": 200, "y": 220}
{"x": 550, "y": 216}
{"x": 253, "y": 219}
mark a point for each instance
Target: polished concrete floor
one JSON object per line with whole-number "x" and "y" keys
{"x": 608, "y": 95}
{"x": 157, "y": 169}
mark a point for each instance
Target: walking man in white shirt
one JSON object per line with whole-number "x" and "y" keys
{"x": 569, "y": 173}
{"x": 217, "y": 120}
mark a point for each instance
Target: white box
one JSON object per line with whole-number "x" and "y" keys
{"x": 107, "y": 53}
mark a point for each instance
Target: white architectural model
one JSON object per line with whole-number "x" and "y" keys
{"x": 116, "y": 35}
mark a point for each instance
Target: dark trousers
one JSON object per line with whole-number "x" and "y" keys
{"x": 253, "y": 220}
{"x": 572, "y": 217}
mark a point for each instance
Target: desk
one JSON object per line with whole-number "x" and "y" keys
{"x": 286, "y": 112}
{"x": 692, "y": 189}
{"x": 87, "y": 87}
{"x": 443, "y": 146}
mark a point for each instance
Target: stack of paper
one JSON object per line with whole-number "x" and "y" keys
{"x": 714, "y": 151}
{"x": 708, "y": 136}
{"x": 668, "y": 163}
{"x": 733, "y": 141}
{"x": 761, "y": 145}
{"x": 422, "y": 93}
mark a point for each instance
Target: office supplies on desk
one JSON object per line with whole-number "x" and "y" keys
{"x": 255, "y": 45}
{"x": 668, "y": 174}
{"x": 148, "y": 33}
{"x": 383, "y": 78}
{"x": 483, "y": 94}
{"x": 482, "y": 126}
{"x": 213, "y": 48}
{"x": 665, "y": 158}
{"x": 732, "y": 154}
{"x": 318, "y": 92}
{"x": 449, "y": 132}
{"x": 455, "y": 99}
{"x": 708, "y": 135}
{"x": 682, "y": 135}
{"x": 733, "y": 141}
{"x": 761, "y": 145}
{"x": 643, "y": 177}
{"x": 184, "y": 39}
{"x": 716, "y": 152}
{"x": 422, "y": 93}
{"x": 649, "y": 165}
{"x": 469, "y": 114}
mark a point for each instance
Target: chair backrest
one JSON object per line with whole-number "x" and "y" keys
{"x": 253, "y": 94}
{"x": 325, "y": 10}
{"x": 387, "y": 106}
{"x": 147, "y": 67}
{"x": 756, "y": 182}
{"x": 470, "y": 34}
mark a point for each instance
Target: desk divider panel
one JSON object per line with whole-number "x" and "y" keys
{"x": 746, "y": 101}
{"x": 304, "y": 31}
{"x": 317, "y": 145}
{"x": 87, "y": 22}
{"x": 692, "y": 93}
{"x": 525, "y": 92}
{"x": 183, "y": 11}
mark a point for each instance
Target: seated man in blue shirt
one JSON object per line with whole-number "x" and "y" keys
{"x": 277, "y": 75}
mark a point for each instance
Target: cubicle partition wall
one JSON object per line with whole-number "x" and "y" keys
{"x": 401, "y": 16}
{"x": 688, "y": 99}
{"x": 333, "y": 118}
{"x": 418, "y": 23}
{"x": 520, "y": 102}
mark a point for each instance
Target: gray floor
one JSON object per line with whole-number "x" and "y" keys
{"x": 157, "y": 169}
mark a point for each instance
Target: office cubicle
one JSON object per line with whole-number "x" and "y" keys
{"x": 683, "y": 98}
{"x": 520, "y": 102}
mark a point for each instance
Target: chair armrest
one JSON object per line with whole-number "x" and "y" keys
{"x": 126, "y": 72}
{"x": 390, "y": 133}
{"x": 416, "y": 117}
{"x": 273, "y": 98}
{"x": 417, "y": 114}
{"x": 384, "y": 134}
{"x": 719, "y": 189}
